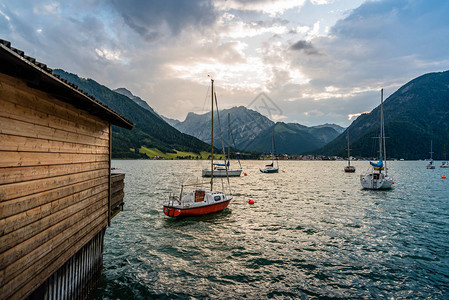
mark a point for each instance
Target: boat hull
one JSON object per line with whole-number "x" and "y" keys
{"x": 376, "y": 181}
{"x": 269, "y": 170}
{"x": 222, "y": 173}
{"x": 349, "y": 169}
{"x": 176, "y": 212}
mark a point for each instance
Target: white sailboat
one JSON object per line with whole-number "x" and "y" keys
{"x": 223, "y": 170}
{"x": 430, "y": 165}
{"x": 271, "y": 168}
{"x": 200, "y": 201}
{"x": 445, "y": 163}
{"x": 349, "y": 168}
{"x": 377, "y": 177}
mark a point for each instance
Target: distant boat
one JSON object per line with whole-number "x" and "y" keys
{"x": 377, "y": 178}
{"x": 445, "y": 163}
{"x": 199, "y": 202}
{"x": 271, "y": 168}
{"x": 220, "y": 171}
{"x": 430, "y": 165}
{"x": 349, "y": 168}
{"x": 223, "y": 170}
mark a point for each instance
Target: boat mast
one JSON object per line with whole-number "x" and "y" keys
{"x": 273, "y": 151}
{"x": 382, "y": 131}
{"x": 444, "y": 151}
{"x": 212, "y": 138}
{"x": 347, "y": 137}
{"x": 431, "y": 150}
{"x": 229, "y": 137}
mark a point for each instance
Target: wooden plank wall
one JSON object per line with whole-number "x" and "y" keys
{"x": 54, "y": 179}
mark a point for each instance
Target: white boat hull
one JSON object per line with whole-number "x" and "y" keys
{"x": 444, "y": 165}
{"x": 376, "y": 181}
{"x": 221, "y": 173}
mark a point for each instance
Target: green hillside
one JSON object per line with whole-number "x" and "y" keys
{"x": 415, "y": 114}
{"x": 150, "y": 131}
{"x": 291, "y": 138}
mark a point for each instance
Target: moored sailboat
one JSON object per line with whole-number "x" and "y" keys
{"x": 445, "y": 163}
{"x": 200, "y": 201}
{"x": 430, "y": 165}
{"x": 377, "y": 178}
{"x": 349, "y": 168}
{"x": 224, "y": 170}
{"x": 271, "y": 168}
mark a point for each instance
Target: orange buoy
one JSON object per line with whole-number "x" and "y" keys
{"x": 283, "y": 171}
{"x": 245, "y": 174}
{"x": 251, "y": 201}
{"x": 392, "y": 182}
{"x": 443, "y": 177}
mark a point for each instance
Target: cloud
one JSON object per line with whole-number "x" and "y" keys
{"x": 379, "y": 44}
{"x": 305, "y": 47}
{"x": 294, "y": 51}
{"x": 356, "y": 115}
{"x": 270, "y": 7}
{"x": 153, "y": 20}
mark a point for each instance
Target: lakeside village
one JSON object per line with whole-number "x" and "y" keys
{"x": 259, "y": 156}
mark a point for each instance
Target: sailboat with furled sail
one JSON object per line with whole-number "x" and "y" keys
{"x": 377, "y": 177}
{"x": 445, "y": 163}
{"x": 224, "y": 170}
{"x": 200, "y": 201}
{"x": 349, "y": 168}
{"x": 430, "y": 165}
{"x": 271, "y": 168}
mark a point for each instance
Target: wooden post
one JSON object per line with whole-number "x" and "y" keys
{"x": 109, "y": 175}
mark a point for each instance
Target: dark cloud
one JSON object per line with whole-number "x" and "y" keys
{"x": 399, "y": 27}
{"x": 156, "y": 19}
{"x": 271, "y": 22}
{"x": 306, "y": 47}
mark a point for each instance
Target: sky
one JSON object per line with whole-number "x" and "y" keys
{"x": 313, "y": 61}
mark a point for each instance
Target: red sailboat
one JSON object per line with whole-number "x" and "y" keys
{"x": 199, "y": 202}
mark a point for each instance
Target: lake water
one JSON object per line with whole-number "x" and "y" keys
{"x": 312, "y": 233}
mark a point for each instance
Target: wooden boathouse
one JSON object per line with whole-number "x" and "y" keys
{"x": 57, "y": 194}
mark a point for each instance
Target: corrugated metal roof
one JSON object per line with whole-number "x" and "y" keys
{"x": 38, "y": 75}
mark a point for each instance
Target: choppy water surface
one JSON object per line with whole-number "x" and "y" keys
{"x": 312, "y": 233}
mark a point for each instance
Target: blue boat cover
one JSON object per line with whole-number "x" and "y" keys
{"x": 222, "y": 165}
{"x": 379, "y": 164}
{"x": 270, "y": 165}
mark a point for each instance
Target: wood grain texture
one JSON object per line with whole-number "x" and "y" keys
{"x": 21, "y": 174}
{"x": 18, "y": 205}
{"x": 54, "y": 184}
{"x": 21, "y": 189}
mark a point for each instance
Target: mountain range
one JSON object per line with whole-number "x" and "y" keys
{"x": 150, "y": 131}
{"x": 416, "y": 114}
{"x": 248, "y": 130}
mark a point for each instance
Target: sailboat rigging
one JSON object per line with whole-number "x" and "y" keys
{"x": 200, "y": 201}
{"x": 349, "y": 168}
{"x": 377, "y": 177}
{"x": 445, "y": 163}
{"x": 223, "y": 170}
{"x": 271, "y": 168}
{"x": 430, "y": 165}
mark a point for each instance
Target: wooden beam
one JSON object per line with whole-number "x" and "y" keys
{"x": 18, "y": 205}
{"x": 20, "y": 174}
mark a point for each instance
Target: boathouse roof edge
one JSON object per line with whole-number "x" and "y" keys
{"x": 14, "y": 62}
